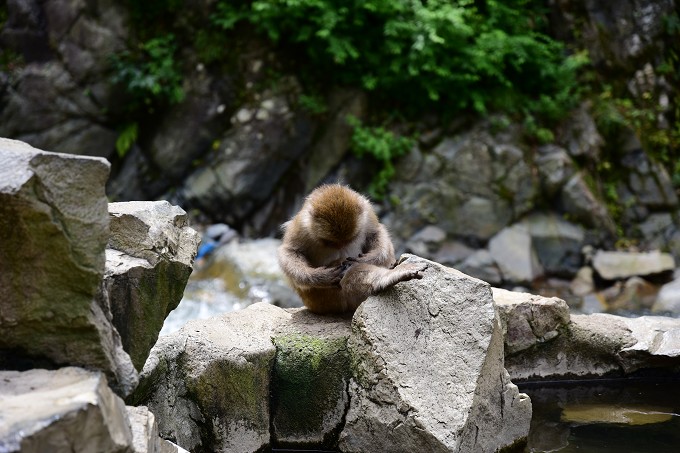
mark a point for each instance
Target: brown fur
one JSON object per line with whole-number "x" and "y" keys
{"x": 336, "y": 253}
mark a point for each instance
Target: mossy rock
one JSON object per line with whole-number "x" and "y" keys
{"x": 309, "y": 388}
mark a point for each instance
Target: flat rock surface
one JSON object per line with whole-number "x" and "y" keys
{"x": 619, "y": 265}
{"x": 69, "y": 410}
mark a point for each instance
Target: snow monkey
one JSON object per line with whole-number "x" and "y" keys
{"x": 336, "y": 253}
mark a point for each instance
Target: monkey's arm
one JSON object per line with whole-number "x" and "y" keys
{"x": 297, "y": 268}
{"x": 377, "y": 248}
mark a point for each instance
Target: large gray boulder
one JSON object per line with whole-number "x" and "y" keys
{"x": 264, "y": 141}
{"x": 148, "y": 262}
{"x": 209, "y": 383}
{"x": 386, "y": 380}
{"x": 54, "y": 225}
{"x": 72, "y": 410}
{"x": 69, "y": 410}
{"x": 528, "y": 319}
{"x": 427, "y": 361}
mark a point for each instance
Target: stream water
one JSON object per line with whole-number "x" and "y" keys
{"x": 605, "y": 416}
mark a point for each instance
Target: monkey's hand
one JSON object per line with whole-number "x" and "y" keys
{"x": 330, "y": 276}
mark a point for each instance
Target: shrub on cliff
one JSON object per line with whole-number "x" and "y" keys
{"x": 448, "y": 55}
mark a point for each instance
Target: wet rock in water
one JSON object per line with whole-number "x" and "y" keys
{"x": 603, "y": 413}
{"x": 409, "y": 393}
{"x": 634, "y": 296}
{"x": 148, "y": 262}
{"x": 618, "y": 265}
{"x": 54, "y": 224}
{"x": 527, "y": 319}
{"x": 68, "y": 410}
{"x": 238, "y": 381}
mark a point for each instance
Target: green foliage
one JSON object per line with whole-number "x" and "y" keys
{"x": 613, "y": 115}
{"x": 454, "y": 55}
{"x": 153, "y": 13}
{"x": 10, "y": 60}
{"x": 210, "y": 45}
{"x": 617, "y": 112}
{"x": 383, "y": 146}
{"x": 3, "y": 15}
{"x": 126, "y": 139}
{"x": 150, "y": 75}
{"x": 312, "y": 104}
{"x": 534, "y": 131}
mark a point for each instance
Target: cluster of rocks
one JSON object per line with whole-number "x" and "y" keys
{"x": 419, "y": 366}
{"x": 503, "y": 232}
{"x": 264, "y": 376}
{"x": 544, "y": 342}
{"x": 87, "y": 285}
{"x": 84, "y": 290}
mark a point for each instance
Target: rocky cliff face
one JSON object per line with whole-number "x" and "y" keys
{"x": 242, "y": 147}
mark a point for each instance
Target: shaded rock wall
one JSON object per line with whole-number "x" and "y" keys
{"x": 54, "y": 219}
{"x": 57, "y": 290}
{"x": 242, "y": 149}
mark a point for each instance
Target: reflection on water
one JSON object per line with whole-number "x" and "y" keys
{"x": 613, "y": 416}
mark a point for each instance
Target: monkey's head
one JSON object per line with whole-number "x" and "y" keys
{"x": 336, "y": 214}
